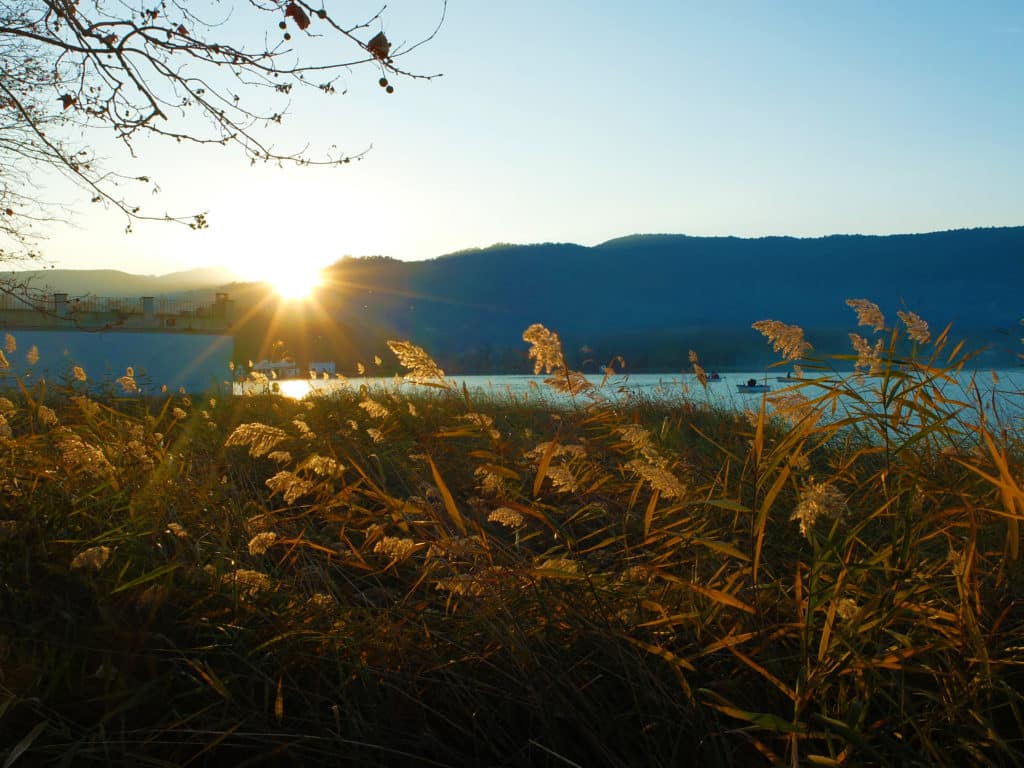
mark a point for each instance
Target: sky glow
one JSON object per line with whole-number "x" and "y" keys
{"x": 560, "y": 122}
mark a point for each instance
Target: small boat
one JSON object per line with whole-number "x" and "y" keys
{"x": 752, "y": 387}
{"x": 714, "y": 377}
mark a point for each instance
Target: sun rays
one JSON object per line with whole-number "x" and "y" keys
{"x": 296, "y": 284}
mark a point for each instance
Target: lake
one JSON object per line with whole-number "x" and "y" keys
{"x": 196, "y": 362}
{"x": 1003, "y": 387}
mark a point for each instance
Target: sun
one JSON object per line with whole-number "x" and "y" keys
{"x": 295, "y": 283}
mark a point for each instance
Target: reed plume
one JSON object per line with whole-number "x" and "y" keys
{"x": 91, "y": 559}
{"x": 289, "y": 485}
{"x": 868, "y": 357}
{"x": 506, "y": 517}
{"x": 373, "y": 408}
{"x": 917, "y": 329}
{"x": 818, "y": 501}
{"x": 259, "y": 438}
{"x": 785, "y": 339}
{"x": 868, "y": 313}
{"x": 261, "y": 542}
{"x": 698, "y": 370}
{"x": 247, "y": 581}
{"x": 545, "y": 349}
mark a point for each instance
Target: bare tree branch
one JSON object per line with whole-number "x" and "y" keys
{"x": 203, "y": 72}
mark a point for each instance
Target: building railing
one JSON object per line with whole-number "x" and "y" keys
{"x": 48, "y": 307}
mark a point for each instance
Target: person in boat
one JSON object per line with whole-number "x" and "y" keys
{"x": 751, "y": 382}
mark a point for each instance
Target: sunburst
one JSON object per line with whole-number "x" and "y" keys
{"x": 296, "y": 283}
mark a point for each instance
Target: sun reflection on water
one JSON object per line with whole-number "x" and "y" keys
{"x": 294, "y": 388}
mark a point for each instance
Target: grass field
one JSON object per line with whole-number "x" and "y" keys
{"x": 423, "y": 579}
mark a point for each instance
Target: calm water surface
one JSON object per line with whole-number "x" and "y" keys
{"x": 1003, "y": 388}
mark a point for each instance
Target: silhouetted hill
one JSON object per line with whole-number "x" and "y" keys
{"x": 111, "y": 282}
{"x": 654, "y": 297}
{"x": 650, "y": 298}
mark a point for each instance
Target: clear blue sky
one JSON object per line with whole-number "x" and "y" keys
{"x": 574, "y": 121}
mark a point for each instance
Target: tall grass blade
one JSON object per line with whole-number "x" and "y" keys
{"x": 23, "y": 746}
{"x": 446, "y": 497}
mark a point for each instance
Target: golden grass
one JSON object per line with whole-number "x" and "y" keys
{"x": 424, "y": 578}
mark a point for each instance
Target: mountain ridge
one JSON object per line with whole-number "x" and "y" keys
{"x": 118, "y": 283}
{"x": 657, "y": 296}
{"x": 649, "y": 297}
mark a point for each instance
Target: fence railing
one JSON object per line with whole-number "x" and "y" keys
{"x": 46, "y": 302}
